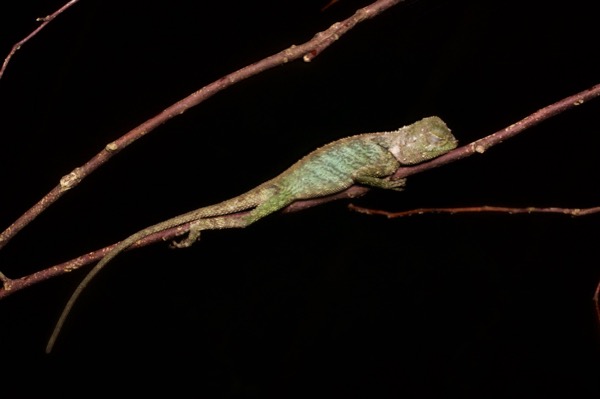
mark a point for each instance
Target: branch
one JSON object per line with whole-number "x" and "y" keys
{"x": 478, "y": 209}
{"x": 13, "y": 285}
{"x": 44, "y": 21}
{"x": 306, "y": 51}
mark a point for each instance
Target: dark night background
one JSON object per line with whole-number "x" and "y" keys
{"x": 324, "y": 301}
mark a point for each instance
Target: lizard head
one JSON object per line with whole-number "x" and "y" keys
{"x": 422, "y": 141}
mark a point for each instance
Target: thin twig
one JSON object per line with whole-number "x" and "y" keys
{"x": 307, "y": 51}
{"x": 477, "y": 209}
{"x": 500, "y": 209}
{"x": 44, "y": 21}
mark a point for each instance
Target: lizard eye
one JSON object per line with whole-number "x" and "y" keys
{"x": 434, "y": 138}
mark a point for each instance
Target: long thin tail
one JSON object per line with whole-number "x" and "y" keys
{"x": 126, "y": 243}
{"x": 67, "y": 309}
{"x": 243, "y": 202}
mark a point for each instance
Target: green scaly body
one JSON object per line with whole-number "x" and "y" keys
{"x": 368, "y": 159}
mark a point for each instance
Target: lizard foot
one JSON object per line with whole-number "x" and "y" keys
{"x": 192, "y": 237}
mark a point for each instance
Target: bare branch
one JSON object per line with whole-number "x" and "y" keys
{"x": 478, "y": 209}
{"x": 307, "y": 51}
{"x": 11, "y": 286}
{"x": 44, "y": 21}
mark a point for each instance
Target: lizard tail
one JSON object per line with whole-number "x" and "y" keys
{"x": 75, "y": 295}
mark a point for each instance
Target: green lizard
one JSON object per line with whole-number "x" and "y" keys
{"x": 368, "y": 159}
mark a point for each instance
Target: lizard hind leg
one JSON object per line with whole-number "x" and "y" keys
{"x": 192, "y": 237}
{"x": 276, "y": 202}
{"x": 226, "y": 215}
{"x": 230, "y": 221}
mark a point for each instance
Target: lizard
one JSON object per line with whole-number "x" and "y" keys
{"x": 368, "y": 159}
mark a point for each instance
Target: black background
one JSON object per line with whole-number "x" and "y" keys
{"x": 324, "y": 301}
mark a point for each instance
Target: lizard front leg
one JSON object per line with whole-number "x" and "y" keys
{"x": 379, "y": 182}
{"x": 379, "y": 174}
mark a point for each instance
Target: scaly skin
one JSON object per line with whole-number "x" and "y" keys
{"x": 368, "y": 159}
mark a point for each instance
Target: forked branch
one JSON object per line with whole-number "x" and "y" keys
{"x": 13, "y": 285}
